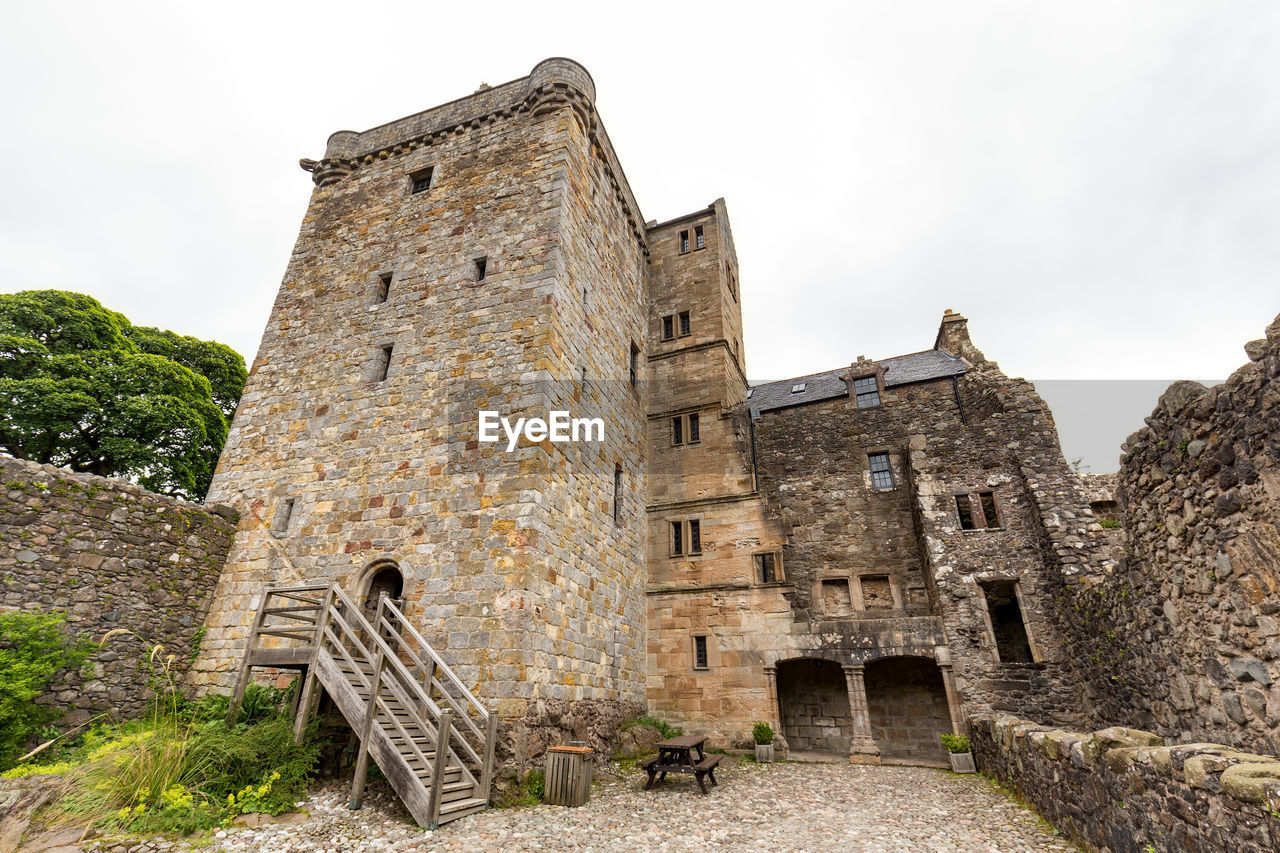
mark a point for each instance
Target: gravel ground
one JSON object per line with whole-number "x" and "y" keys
{"x": 795, "y": 807}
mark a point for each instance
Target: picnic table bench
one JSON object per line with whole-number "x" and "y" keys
{"x": 682, "y": 755}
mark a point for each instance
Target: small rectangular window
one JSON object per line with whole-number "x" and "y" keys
{"x": 988, "y": 501}
{"x": 698, "y": 239}
{"x": 617, "y": 493}
{"x": 694, "y": 429}
{"x": 867, "y": 391}
{"x": 965, "y": 511}
{"x": 684, "y": 242}
{"x": 684, "y": 322}
{"x": 700, "y": 653}
{"x": 633, "y": 366}
{"x": 421, "y": 180}
{"x": 383, "y": 367}
{"x": 1013, "y": 645}
{"x": 677, "y": 538}
{"x": 881, "y": 473}
{"x": 766, "y": 568}
{"x": 677, "y": 430}
{"x": 280, "y": 523}
{"x": 695, "y": 537}
{"x": 481, "y": 266}
{"x": 384, "y": 287}
{"x": 877, "y": 592}
{"x": 668, "y": 327}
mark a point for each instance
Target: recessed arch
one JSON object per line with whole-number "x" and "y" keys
{"x": 907, "y": 707}
{"x": 813, "y": 703}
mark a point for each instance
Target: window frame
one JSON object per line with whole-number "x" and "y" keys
{"x": 699, "y": 238}
{"x": 872, "y": 396}
{"x": 775, "y": 567}
{"x": 684, "y": 242}
{"x": 701, "y": 653}
{"x": 669, "y": 327}
{"x": 422, "y": 180}
{"x": 872, "y": 460}
{"x": 686, "y": 324}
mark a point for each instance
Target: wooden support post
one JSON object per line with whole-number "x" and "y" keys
{"x": 366, "y": 730}
{"x": 441, "y": 764}
{"x": 490, "y": 740}
{"x": 307, "y": 695}
{"x": 242, "y": 680}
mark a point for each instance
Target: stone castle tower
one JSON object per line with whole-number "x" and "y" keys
{"x": 486, "y": 254}
{"x": 860, "y": 556}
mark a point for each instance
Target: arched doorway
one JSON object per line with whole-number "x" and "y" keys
{"x": 907, "y": 704}
{"x": 383, "y": 577}
{"x": 813, "y": 701}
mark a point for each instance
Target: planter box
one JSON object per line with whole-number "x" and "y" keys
{"x": 764, "y": 753}
{"x": 962, "y": 762}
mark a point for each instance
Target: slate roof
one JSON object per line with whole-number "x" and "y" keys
{"x": 901, "y": 370}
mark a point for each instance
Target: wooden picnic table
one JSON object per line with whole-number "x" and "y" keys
{"x": 682, "y": 755}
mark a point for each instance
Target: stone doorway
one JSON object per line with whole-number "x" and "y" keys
{"x": 907, "y": 704}
{"x": 813, "y": 702}
{"x": 383, "y": 578}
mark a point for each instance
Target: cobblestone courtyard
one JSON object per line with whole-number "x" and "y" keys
{"x": 792, "y": 807}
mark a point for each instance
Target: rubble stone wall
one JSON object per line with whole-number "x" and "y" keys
{"x": 1184, "y": 637}
{"x": 1124, "y": 791}
{"x": 111, "y": 555}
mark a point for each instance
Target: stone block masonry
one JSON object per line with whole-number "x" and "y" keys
{"x": 1124, "y": 791}
{"x": 111, "y": 555}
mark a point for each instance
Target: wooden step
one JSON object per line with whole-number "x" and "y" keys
{"x": 461, "y": 808}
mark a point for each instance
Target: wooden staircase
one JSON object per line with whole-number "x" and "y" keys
{"x": 430, "y": 736}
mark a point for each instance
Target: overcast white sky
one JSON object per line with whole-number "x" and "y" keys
{"x": 1096, "y": 185}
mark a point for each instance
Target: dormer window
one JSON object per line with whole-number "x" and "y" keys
{"x": 867, "y": 391}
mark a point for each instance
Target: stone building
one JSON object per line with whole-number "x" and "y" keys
{"x": 861, "y": 556}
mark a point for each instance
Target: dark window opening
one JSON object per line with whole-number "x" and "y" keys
{"x": 280, "y": 523}
{"x": 1012, "y": 643}
{"x": 668, "y": 327}
{"x": 867, "y": 391}
{"x": 633, "y": 366}
{"x": 881, "y": 473}
{"x": 966, "y": 512}
{"x": 693, "y": 429}
{"x": 677, "y": 538}
{"x": 384, "y": 287}
{"x": 481, "y": 266}
{"x": 695, "y": 537}
{"x": 766, "y": 565}
{"x": 684, "y": 242}
{"x": 421, "y": 180}
{"x": 700, "y": 653}
{"x": 584, "y": 296}
{"x": 988, "y": 501}
{"x": 677, "y": 430}
{"x": 684, "y": 322}
{"x": 617, "y": 493}
{"x": 698, "y": 240}
{"x": 383, "y": 367}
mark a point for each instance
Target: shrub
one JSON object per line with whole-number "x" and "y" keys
{"x": 33, "y": 648}
{"x": 955, "y": 743}
{"x": 762, "y": 733}
{"x": 664, "y": 728}
{"x": 1109, "y": 523}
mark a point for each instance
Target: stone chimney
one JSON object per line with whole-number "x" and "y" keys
{"x": 953, "y": 338}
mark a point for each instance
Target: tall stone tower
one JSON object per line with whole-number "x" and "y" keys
{"x": 486, "y": 254}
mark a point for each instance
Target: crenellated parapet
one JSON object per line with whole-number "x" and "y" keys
{"x": 553, "y": 84}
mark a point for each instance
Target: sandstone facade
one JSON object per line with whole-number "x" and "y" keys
{"x": 860, "y": 556}
{"x": 111, "y": 556}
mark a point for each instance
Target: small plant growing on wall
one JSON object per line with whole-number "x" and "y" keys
{"x": 762, "y": 734}
{"x": 955, "y": 743}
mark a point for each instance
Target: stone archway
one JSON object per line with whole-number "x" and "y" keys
{"x": 813, "y": 703}
{"x": 907, "y": 706}
{"x": 381, "y": 577}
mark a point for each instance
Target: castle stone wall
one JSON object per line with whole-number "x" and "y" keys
{"x": 1122, "y": 790}
{"x": 1184, "y": 636}
{"x": 111, "y": 555}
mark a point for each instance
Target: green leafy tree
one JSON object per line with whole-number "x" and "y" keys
{"x": 81, "y": 386}
{"x": 33, "y": 648}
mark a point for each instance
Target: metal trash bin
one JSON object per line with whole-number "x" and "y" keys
{"x": 568, "y": 781}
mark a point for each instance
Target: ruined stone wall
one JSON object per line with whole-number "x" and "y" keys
{"x": 378, "y": 471}
{"x": 1184, "y": 637}
{"x": 1123, "y": 791}
{"x": 111, "y": 555}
